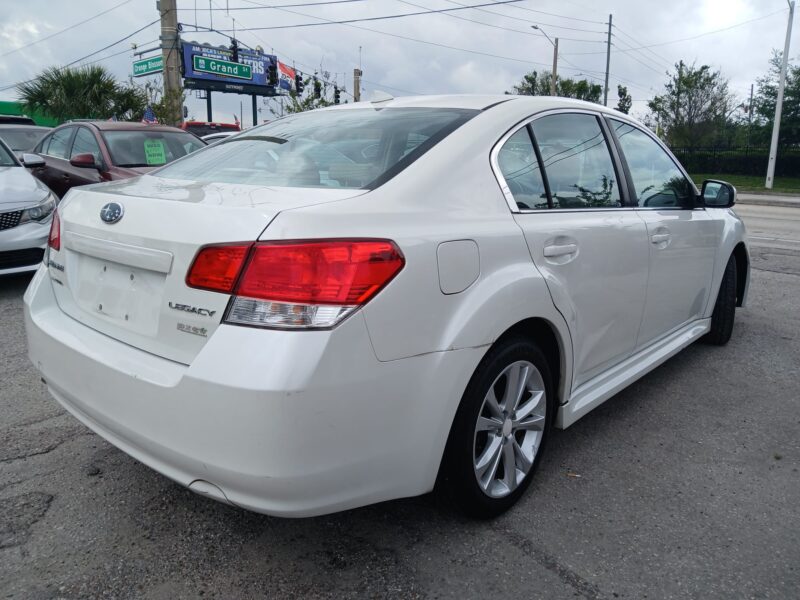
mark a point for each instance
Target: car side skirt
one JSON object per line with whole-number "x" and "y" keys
{"x": 602, "y": 387}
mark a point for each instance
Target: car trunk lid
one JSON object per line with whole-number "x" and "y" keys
{"x": 126, "y": 279}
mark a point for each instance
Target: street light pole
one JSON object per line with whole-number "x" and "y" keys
{"x": 553, "y": 78}
{"x": 776, "y": 125}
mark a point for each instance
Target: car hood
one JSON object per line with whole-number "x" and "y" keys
{"x": 20, "y": 189}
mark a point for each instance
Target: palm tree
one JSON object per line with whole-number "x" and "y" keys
{"x": 89, "y": 92}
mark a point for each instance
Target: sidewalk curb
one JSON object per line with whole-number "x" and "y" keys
{"x": 771, "y": 202}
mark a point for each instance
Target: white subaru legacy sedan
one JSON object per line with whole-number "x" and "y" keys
{"x": 370, "y": 301}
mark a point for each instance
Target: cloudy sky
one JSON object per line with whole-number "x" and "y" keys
{"x": 478, "y": 50}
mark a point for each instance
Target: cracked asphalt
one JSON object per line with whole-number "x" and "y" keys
{"x": 685, "y": 485}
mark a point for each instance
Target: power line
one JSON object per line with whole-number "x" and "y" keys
{"x": 656, "y": 58}
{"x": 541, "y": 12}
{"x": 447, "y": 14}
{"x": 364, "y": 19}
{"x": 52, "y": 35}
{"x": 627, "y": 53}
{"x": 227, "y": 9}
{"x": 694, "y": 37}
{"x": 119, "y": 41}
{"x": 527, "y": 20}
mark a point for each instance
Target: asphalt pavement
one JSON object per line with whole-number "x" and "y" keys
{"x": 685, "y": 485}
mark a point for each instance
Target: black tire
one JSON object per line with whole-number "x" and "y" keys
{"x": 724, "y": 309}
{"x": 458, "y": 482}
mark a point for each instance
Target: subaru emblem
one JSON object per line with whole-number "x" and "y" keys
{"x": 111, "y": 212}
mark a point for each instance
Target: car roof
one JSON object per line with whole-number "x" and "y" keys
{"x": 477, "y": 102}
{"x": 124, "y": 126}
{"x": 23, "y": 126}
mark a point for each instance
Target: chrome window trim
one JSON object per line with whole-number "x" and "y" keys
{"x": 495, "y": 164}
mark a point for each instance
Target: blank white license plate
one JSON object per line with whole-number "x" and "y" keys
{"x": 126, "y": 296}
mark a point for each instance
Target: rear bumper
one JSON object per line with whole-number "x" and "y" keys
{"x": 284, "y": 423}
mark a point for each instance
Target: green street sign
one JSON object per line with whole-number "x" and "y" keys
{"x": 148, "y": 66}
{"x": 203, "y": 64}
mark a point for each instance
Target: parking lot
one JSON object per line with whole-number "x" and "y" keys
{"x": 685, "y": 485}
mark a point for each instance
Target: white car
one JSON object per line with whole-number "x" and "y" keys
{"x": 26, "y": 206}
{"x": 364, "y": 302}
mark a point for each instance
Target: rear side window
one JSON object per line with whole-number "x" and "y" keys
{"x": 352, "y": 148}
{"x": 520, "y": 168}
{"x": 149, "y": 148}
{"x": 58, "y": 145}
{"x": 85, "y": 143}
{"x": 657, "y": 180}
{"x": 577, "y": 161}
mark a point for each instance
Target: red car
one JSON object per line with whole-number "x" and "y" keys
{"x": 94, "y": 151}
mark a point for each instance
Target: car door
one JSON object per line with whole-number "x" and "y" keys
{"x": 559, "y": 176}
{"x": 84, "y": 142}
{"x": 683, "y": 238}
{"x": 55, "y": 149}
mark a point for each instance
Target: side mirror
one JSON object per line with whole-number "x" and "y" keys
{"x": 718, "y": 194}
{"x": 85, "y": 161}
{"x": 32, "y": 161}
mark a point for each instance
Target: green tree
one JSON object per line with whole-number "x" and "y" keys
{"x": 168, "y": 108}
{"x": 89, "y": 92}
{"x": 536, "y": 84}
{"x": 767, "y": 96}
{"x": 308, "y": 100}
{"x": 625, "y": 101}
{"x": 695, "y": 106}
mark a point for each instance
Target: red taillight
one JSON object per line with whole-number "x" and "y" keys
{"x": 338, "y": 272}
{"x": 54, "y": 240}
{"x": 216, "y": 268}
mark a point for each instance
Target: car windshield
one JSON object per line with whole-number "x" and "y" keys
{"x": 143, "y": 148}
{"x": 6, "y": 158}
{"x": 352, "y": 148}
{"x": 22, "y": 139}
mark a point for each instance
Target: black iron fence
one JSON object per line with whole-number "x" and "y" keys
{"x": 744, "y": 160}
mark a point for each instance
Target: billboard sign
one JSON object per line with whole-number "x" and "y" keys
{"x": 212, "y": 67}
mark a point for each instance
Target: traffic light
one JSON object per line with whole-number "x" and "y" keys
{"x": 298, "y": 83}
{"x": 235, "y": 50}
{"x": 272, "y": 73}
{"x": 317, "y": 89}
{"x": 336, "y": 95}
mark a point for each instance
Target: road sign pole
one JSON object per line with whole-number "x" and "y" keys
{"x": 776, "y": 125}
{"x": 208, "y": 106}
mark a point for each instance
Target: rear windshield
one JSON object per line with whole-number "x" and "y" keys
{"x": 142, "y": 148}
{"x": 355, "y": 148}
{"x": 22, "y": 138}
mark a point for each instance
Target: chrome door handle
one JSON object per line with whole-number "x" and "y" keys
{"x": 551, "y": 251}
{"x": 659, "y": 238}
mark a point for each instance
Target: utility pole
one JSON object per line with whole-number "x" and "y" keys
{"x": 750, "y": 116}
{"x": 555, "y": 68}
{"x": 608, "y": 60}
{"x": 776, "y": 125}
{"x": 357, "y": 85}
{"x": 170, "y": 51}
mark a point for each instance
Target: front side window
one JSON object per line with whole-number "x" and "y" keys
{"x": 352, "y": 148}
{"x": 58, "y": 145}
{"x": 85, "y": 143}
{"x": 149, "y": 148}
{"x": 520, "y": 168}
{"x": 577, "y": 161}
{"x": 657, "y": 180}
